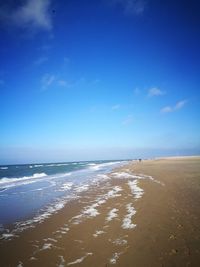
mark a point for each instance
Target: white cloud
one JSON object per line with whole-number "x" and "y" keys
{"x": 167, "y": 109}
{"x": 128, "y": 120}
{"x": 115, "y": 107}
{"x": 155, "y": 92}
{"x": 178, "y": 106}
{"x": 62, "y": 83}
{"x": 40, "y": 60}
{"x": 47, "y": 80}
{"x": 65, "y": 83}
{"x": 32, "y": 14}
{"x": 131, "y": 7}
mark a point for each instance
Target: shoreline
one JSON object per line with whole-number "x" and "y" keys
{"x": 146, "y": 214}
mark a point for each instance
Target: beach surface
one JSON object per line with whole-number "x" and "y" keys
{"x": 142, "y": 214}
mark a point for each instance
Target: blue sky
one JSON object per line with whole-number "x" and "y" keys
{"x": 104, "y": 79}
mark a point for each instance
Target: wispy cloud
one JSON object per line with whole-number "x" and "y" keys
{"x": 128, "y": 120}
{"x": 65, "y": 83}
{"x": 167, "y": 109}
{"x": 31, "y": 14}
{"x": 50, "y": 79}
{"x": 47, "y": 80}
{"x": 62, "y": 83}
{"x": 155, "y": 92}
{"x": 179, "y": 105}
{"x": 40, "y": 60}
{"x": 115, "y": 107}
{"x": 131, "y": 7}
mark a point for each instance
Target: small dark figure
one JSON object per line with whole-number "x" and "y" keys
{"x": 140, "y": 160}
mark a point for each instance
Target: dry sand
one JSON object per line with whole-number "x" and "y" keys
{"x": 162, "y": 222}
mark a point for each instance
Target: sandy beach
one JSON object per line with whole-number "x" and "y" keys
{"x": 143, "y": 214}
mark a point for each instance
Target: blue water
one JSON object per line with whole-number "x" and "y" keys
{"x": 29, "y": 190}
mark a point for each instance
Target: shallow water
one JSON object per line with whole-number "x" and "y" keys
{"x": 38, "y": 190}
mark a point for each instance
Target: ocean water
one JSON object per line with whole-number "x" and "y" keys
{"x": 33, "y": 192}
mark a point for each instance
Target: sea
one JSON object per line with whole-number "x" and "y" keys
{"x": 31, "y": 193}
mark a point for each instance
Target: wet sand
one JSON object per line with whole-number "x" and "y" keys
{"x": 144, "y": 214}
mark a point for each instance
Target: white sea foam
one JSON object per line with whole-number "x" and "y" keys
{"x": 127, "y": 222}
{"x": 113, "y": 193}
{"x": 38, "y": 165}
{"x": 10, "y": 182}
{"x": 20, "y": 264}
{"x": 50, "y": 239}
{"x": 80, "y": 260}
{"x": 123, "y": 175}
{"x": 33, "y": 258}
{"x": 81, "y": 188}
{"x": 62, "y": 262}
{"x": 3, "y": 168}
{"x": 62, "y": 164}
{"x": 63, "y": 230}
{"x": 98, "y": 166}
{"x": 7, "y": 236}
{"x": 94, "y": 167}
{"x": 102, "y": 177}
{"x": 6, "y": 183}
{"x": 98, "y": 232}
{"x": 66, "y": 186}
{"x": 41, "y": 217}
{"x": 135, "y": 189}
{"x": 47, "y": 246}
{"x": 45, "y": 213}
{"x": 126, "y": 175}
{"x": 91, "y": 211}
{"x": 111, "y": 163}
{"x": 120, "y": 242}
{"x": 114, "y": 258}
{"x": 112, "y": 214}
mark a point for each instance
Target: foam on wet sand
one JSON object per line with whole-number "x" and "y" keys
{"x": 100, "y": 229}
